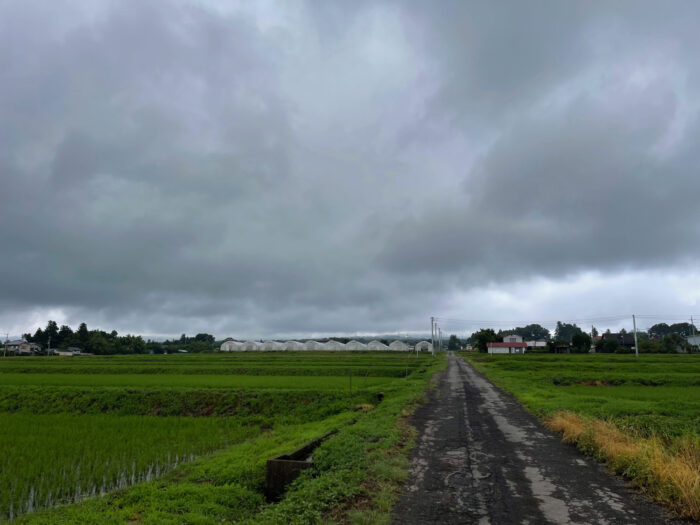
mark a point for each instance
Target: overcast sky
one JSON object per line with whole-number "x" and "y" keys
{"x": 346, "y": 167}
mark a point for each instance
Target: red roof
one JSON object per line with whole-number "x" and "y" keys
{"x": 507, "y": 345}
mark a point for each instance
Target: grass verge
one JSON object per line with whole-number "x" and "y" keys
{"x": 670, "y": 473}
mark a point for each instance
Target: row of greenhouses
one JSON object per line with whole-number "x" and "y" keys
{"x": 231, "y": 345}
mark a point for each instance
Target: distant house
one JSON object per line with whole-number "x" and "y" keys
{"x": 22, "y": 347}
{"x": 560, "y": 348}
{"x": 537, "y": 344}
{"x": 69, "y": 352}
{"x": 694, "y": 340}
{"x": 507, "y": 347}
{"x": 624, "y": 339}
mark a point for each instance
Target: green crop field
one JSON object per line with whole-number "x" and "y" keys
{"x": 185, "y": 438}
{"x": 652, "y": 394}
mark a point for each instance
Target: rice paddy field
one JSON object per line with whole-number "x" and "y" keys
{"x": 639, "y": 415}
{"x": 185, "y": 438}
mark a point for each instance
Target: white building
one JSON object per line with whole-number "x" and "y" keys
{"x": 399, "y": 346}
{"x": 377, "y": 345}
{"x": 424, "y": 346}
{"x": 507, "y": 347}
{"x": 536, "y": 344}
{"x": 22, "y": 347}
{"x": 355, "y": 345}
{"x": 513, "y": 338}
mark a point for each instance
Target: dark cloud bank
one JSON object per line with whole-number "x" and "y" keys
{"x": 172, "y": 166}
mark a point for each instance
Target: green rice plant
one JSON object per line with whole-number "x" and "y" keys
{"x": 50, "y": 459}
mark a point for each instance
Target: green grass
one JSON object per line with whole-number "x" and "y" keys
{"x": 652, "y": 394}
{"x": 241, "y": 382}
{"x": 101, "y": 423}
{"x": 373, "y": 364}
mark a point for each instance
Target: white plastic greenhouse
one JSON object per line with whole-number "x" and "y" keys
{"x": 250, "y": 346}
{"x": 424, "y": 346}
{"x": 376, "y": 345}
{"x": 230, "y": 346}
{"x": 313, "y": 345}
{"x": 355, "y": 345}
{"x": 333, "y": 345}
{"x": 399, "y": 345}
{"x": 293, "y": 345}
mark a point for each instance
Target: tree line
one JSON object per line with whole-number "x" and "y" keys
{"x": 660, "y": 338}
{"x": 100, "y": 342}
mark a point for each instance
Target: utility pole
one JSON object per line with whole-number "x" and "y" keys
{"x": 432, "y": 332}
{"x": 692, "y": 331}
{"x": 636, "y": 345}
{"x": 439, "y": 339}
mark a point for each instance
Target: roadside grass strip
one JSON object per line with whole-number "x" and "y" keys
{"x": 670, "y": 473}
{"x": 641, "y": 416}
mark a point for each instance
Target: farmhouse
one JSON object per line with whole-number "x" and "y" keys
{"x": 22, "y": 347}
{"x": 623, "y": 338}
{"x": 537, "y": 344}
{"x": 507, "y": 347}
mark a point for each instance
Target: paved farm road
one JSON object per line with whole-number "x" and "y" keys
{"x": 481, "y": 458}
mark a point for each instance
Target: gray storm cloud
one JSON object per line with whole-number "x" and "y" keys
{"x": 313, "y": 167}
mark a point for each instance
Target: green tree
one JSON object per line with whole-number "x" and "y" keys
{"x": 52, "y": 333}
{"x": 39, "y": 337}
{"x": 454, "y": 343}
{"x": 566, "y": 332}
{"x": 65, "y": 334}
{"x": 482, "y": 337}
{"x": 581, "y": 343}
{"x": 594, "y": 331}
{"x": 607, "y": 346}
{"x": 205, "y": 338}
{"x": 83, "y": 335}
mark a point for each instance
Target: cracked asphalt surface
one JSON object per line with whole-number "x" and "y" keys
{"x": 482, "y": 458}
